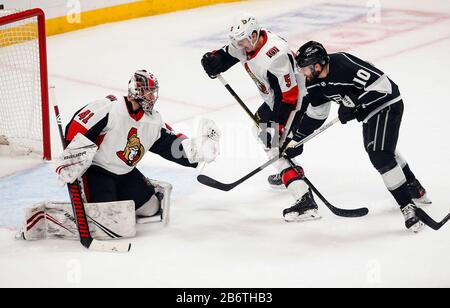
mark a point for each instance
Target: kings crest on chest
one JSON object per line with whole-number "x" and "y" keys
{"x": 346, "y": 101}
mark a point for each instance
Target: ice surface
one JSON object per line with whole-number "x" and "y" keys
{"x": 238, "y": 238}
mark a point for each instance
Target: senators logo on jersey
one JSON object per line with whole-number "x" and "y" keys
{"x": 133, "y": 151}
{"x": 258, "y": 83}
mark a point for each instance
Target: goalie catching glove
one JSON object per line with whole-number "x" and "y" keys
{"x": 206, "y": 146}
{"x": 75, "y": 159}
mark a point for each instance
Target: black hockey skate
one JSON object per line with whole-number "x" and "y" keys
{"x": 418, "y": 193}
{"x": 304, "y": 209}
{"x": 412, "y": 222}
{"x": 275, "y": 181}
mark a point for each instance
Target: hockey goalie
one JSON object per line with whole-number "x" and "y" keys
{"x": 106, "y": 140}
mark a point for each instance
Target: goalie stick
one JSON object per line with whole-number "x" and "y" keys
{"x": 78, "y": 205}
{"x": 226, "y": 187}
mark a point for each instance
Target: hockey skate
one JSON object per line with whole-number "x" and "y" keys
{"x": 304, "y": 209}
{"x": 418, "y": 193}
{"x": 412, "y": 222}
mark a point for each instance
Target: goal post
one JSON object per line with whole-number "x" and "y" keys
{"x": 24, "y": 102}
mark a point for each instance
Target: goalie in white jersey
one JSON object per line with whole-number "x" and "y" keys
{"x": 121, "y": 130}
{"x": 269, "y": 61}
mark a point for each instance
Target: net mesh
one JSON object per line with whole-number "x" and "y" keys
{"x": 20, "y": 92}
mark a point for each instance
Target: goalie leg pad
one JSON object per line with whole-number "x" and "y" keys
{"x": 163, "y": 191}
{"x": 51, "y": 220}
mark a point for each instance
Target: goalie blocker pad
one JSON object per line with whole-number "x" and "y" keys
{"x": 55, "y": 220}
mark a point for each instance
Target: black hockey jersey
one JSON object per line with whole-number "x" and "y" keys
{"x": 354, "y": 83}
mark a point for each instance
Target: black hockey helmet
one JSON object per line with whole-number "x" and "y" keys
{"x": 312, "y": 53}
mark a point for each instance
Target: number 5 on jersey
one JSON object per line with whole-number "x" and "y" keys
{"x": 287, "y": 79}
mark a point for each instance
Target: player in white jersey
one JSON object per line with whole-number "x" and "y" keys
{"x": 270, "y": 63}
{"x": 123, "y": 129}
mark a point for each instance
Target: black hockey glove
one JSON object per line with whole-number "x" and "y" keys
{"x": 296, "y": 136}
{"x": 294, "y": 152}
{"x": 212, "y": 63}
{"x": 346, "y": 114}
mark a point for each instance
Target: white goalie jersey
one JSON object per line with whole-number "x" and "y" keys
{"x": 123, "y": 136}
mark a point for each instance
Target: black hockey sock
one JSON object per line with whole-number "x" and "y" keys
{"x": 402, "y": 196}
{"x": 410, "y": 177}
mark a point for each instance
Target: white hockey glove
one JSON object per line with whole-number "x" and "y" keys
{"x": 206, "y": 146}
{"x": 75, "y": 159}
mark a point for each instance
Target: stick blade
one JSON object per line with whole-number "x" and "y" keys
{"x": 430, "y": 222}
{"x": 354, "y": 213}
{"x": 206, "y": 180}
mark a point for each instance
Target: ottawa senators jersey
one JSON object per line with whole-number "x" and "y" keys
{"x": 273, "y": 69}
{"x": 122, "y": 135}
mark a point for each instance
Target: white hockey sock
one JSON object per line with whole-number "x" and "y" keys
{"x": 400, "y": 160}
{"x": 298, "y": 189}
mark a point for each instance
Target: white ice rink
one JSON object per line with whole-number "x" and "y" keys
{"x": 238, "y": 238}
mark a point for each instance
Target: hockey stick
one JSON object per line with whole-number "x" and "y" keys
{"x": 335, "y": 210}
{"x": 430, "y": 222}
{"x": 237, "y": 98}
{"x": 213, "y": 183}
{"x": 208, "y": 181}
{"x": 78, "y": 205}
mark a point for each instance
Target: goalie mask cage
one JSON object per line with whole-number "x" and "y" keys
{"x": 24, "y": 110}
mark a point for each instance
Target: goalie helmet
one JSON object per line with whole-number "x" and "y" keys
{"x": 242, "y": 28}
{"x": 143, "y": 88}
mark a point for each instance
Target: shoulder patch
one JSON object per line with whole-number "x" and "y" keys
{"x": 112, "y": 98}
{"x": 272, "y": 51}
{"x": 169, "y": 127}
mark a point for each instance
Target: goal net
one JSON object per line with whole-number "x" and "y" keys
{"x": 24, "y": 113}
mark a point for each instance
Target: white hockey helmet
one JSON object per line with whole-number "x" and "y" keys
{"x": 143, "y": 88}
{"x": 243, "y": 27}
